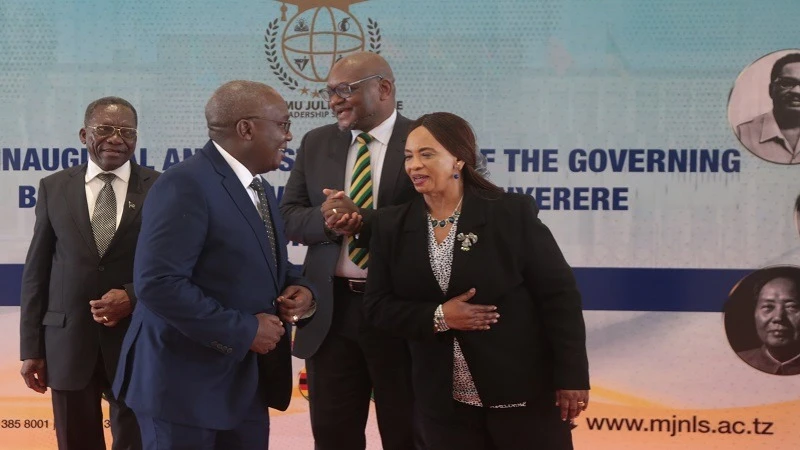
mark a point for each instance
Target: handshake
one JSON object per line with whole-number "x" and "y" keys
{"x": 340, "y": 213}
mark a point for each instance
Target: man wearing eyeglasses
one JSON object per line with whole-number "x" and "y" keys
{"x": 208, "y": 349}
{"x": 775, "y": 135}
{"x": 328, "y": 202}
{"x": 77, "y": 291}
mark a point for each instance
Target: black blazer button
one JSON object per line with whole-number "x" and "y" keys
{"x": 101, "y": 268}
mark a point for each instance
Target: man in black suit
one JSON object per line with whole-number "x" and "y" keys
{"x": 346, "y": 359}
{"x": 77, "y": 292}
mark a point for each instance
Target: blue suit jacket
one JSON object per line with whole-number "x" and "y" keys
{"x": 202, "y": 271}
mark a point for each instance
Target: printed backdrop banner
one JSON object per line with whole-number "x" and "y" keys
{"x": 658, "y": 138}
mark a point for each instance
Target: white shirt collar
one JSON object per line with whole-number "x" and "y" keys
{"x": 122, "y": 172}
{"x": 242, "y": 172}
{"x": 769, "y": 128}
{"x": 382, "y": 133}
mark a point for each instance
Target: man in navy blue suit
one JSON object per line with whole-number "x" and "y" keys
{"x": 208, "y": 349}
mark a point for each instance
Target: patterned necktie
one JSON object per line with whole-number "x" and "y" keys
{"x": 266, "y": 217}
{"x": 104, "y": 217}
{"x": 361, "y": 194}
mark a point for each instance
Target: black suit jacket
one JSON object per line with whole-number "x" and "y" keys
{"x": 538, "y": 344}
{"x": 321, "y": 163}
{"x": 63, "y": 272}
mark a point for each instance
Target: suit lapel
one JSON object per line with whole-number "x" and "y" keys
{"x": 416, "y": 244}
{"x": 393, "y": 165}
{"x": 472, "y": 220}
{"x": 277, "y": 225}
{"x": 335, "y": 164}
{"x": 132, "y": 206}
{"x": 242, "y": 201}
{"x": 75, "y": 199}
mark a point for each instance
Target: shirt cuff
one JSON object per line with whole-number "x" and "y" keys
{"x": 310, "y": 311}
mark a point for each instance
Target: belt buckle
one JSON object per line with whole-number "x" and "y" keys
{"x": 356, "y": 286}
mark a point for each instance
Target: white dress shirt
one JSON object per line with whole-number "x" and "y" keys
{"x": 377, "y": 153}
{"x": 242, "y": 173}
{"x": 120, "y": 185}
{"x": 245, "y": 177}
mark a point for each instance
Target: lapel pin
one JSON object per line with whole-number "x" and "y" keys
{"x": 467, "y": 240}
{"x": 131, "y": 205}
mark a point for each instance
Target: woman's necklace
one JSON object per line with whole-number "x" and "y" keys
{"x": 451, "y": 219}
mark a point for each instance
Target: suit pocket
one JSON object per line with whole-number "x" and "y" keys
{"x": 54, "y": 319}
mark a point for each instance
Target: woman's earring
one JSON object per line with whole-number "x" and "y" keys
{"x": 456, "y": 175}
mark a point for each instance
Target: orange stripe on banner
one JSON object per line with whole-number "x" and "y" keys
{"x": 612, "y": 396}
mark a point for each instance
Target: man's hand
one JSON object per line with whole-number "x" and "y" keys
{"x": 270, "y": 330}
{"x": 340, "y": 213}
{"x": 572, "y": 402}
{"x": 111, "y": 307}
{"x": 460, "y": 315}
{"x": 34, "y": 372}
{"x": 294, "y": 302}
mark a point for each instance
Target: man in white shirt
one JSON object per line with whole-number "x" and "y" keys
{"x": 77, "y": 286}
{"x": 775, "y": 135}
{"x": 208, "y": 349}
{"x": 342, "y": 173}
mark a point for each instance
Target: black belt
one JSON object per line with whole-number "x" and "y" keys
{"x": 355, "y": 285}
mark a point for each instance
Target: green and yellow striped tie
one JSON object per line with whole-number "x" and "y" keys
{"x": 361, "y": 194}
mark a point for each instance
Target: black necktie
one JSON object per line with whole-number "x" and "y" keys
{"x": 266, "y": 217}
{"x": 104, "y": 217}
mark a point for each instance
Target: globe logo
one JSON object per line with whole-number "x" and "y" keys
{"x": 315, "y": 39}
{"x": 320, "y": 33}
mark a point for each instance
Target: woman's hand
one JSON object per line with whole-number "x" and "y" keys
{"x": 571, "y": 402}
{"x": 460, "y": 315}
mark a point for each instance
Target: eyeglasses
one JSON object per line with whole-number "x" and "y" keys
{"x": 109, "y": 130}
{"x": 284, "y": 124}
{"x": 344, "y": 90}
{"x": 787, "y": 83}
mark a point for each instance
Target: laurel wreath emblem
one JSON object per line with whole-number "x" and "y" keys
{"x": 374, "y": 36}
{"x": 270, "y": 37}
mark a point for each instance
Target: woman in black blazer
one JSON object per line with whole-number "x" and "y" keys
{"x": 477, "y": 284}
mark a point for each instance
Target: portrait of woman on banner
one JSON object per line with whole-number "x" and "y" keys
{"x": 477, "y": 284}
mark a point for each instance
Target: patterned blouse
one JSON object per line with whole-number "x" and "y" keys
{"x": 441, "y": 256}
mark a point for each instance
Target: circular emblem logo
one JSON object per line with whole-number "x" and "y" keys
{"x": 317, "y": 36}
{"x": 315, "y": 39}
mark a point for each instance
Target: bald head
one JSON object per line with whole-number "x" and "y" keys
{"x": 371, "y": 97}
{"x": 235, "y": 100}
{"x": 365, "y": 63}
{"x": 250, "y": 121}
